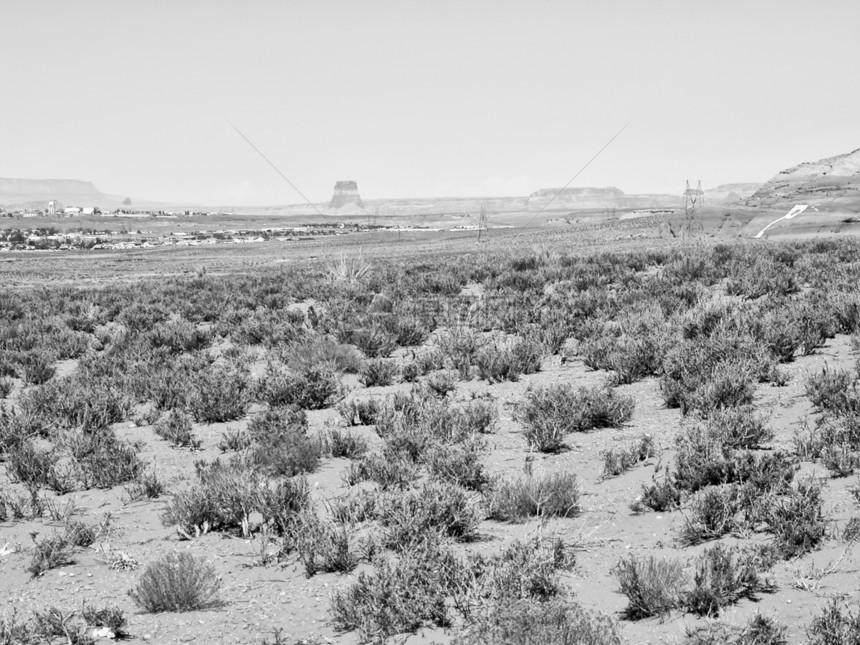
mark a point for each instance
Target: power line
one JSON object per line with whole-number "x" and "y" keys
{"x": 266, "y": 159}
{"x": 581, "y": 170}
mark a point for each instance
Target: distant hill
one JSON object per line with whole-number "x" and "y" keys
{"x": 730, "y": 193}
{"x": 831, "y": 184}
{"x": 36, "y": 193}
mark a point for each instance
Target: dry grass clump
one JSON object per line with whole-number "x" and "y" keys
{"x": 400, "y": 596}
{"x": 379, "y": 372}
{"x": 550, "y": 413}
{"x": 176, "y": 428}
{"x": 508, "y": 359}
{"x": 515, "y": 500}
{"x": 177, "y": 581}
{"x": 721, "y": 577}
{"x": 619, "y": 460}
{"x": 653, "y": 586}
{"x": 313, "y": 388}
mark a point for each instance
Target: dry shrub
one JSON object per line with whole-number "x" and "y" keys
{"x": 177, "y": 582}
{"x": 515, "y": 500}
{"x": 653, "y": 586}
{"x": 552, "y": 412}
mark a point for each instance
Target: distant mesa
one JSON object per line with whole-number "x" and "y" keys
{"x": 833, "y": 183}
{"x": 37, "y": 193}
{"x": 345, "y": 200}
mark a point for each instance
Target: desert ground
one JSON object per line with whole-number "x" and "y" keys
{"x": 583, "y": 432}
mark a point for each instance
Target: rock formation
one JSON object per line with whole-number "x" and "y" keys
{"x": 36, "y": 193}
{"x": 346, "y": 198}
{"x": 832, "y": 183}
{"x": 597, "y": 199}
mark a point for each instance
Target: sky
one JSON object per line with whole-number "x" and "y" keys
{"x": 421, "y": 99}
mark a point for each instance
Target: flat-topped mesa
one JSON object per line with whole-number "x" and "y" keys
{"x": 345, "y": 194}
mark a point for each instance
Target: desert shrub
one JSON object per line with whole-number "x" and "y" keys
{"x": 711, "y": 515}
{"x": 796, "y": 519}
{"x": 441, "y": 383}
{"x": 759, "y": 630}
{"x": 631, "y": 355}
{"x": 323, "y": 546}
{"x": 219, "y": 394}
{"x": 226, "y": 496}
{"x": 378, "y": 372}
{"x": 275, "y": 421}
{"x": 345, "y": 444}
{"x": 145, "y": 485}
{"x": 738, "y": 427}
{"x": 834, "y": 391}
{"x": 458, "y": 464}
{"x": 179, "y": 337}
{"x": 550, "y": 413}
{"x": 312, "y": 389}
{"x": 428, "y": 360}
{"x": 522, "y": 570}
{"x": 459, "y": 346}
{"x": 723, "y": 576}
{"x": 410, "y": 372}
{"x": 6, "y": 387}
{"x": 399, "y": 596}
{"x": 176, "y": 428}
{"x": 36, "y": 467}
{"x": 52, "y": 623}
{"x": 35, "y": 368}
{"x": 527, "y": 622}
{"x": 708, "y": 372}
{"x": 388, "y": 471}
{"x": 841, "y": 460}
{"x": 280, "y": 443}
{"x": 76, "y": 402}
{"x": 140, "y": 316}
{"x": 619, "y": 460}
{"x": 177, "y": 582}
{"x": 359, "y": 411}
{"x": 50, "y": 552}
{"x": 507, "y": 360}
{"x": 234, "y": 440}
{"x": 104, "y": 461}
{"x": 661, "y": 496}
{"x": 835, "y": 625}
{"x": 436, "y": 506}
{"x": 515, "y": 500}
{"x": 288, "y": 453}
{"x": 373, "y": 338}
{"x": 480, "y": 414}
{"x": 851, "y": 530}
{"x": 653, "y": 586}
{"x": 702, "y": 460}
{"x": 109, "y": 616}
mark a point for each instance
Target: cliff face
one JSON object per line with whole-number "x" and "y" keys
{"x": 36, "y": 193}
{"x": 831, "y": 182}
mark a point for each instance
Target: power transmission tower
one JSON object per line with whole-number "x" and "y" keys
{"x": 482, "y": 223}
{"x": 694, "y": 198}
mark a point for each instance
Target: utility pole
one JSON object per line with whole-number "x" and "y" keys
{"x": 693, "y": 199}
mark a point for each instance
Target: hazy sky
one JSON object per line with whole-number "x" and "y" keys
{"x": 434, "y": 98}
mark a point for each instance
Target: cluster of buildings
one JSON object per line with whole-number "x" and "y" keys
{"x": 51, "y": 239}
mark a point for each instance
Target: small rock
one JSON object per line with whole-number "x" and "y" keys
{"x": 103, "y": 632}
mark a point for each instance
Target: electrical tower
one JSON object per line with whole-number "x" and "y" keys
{"x": 694, "y": 198}
{"x": 482, "y": 223}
